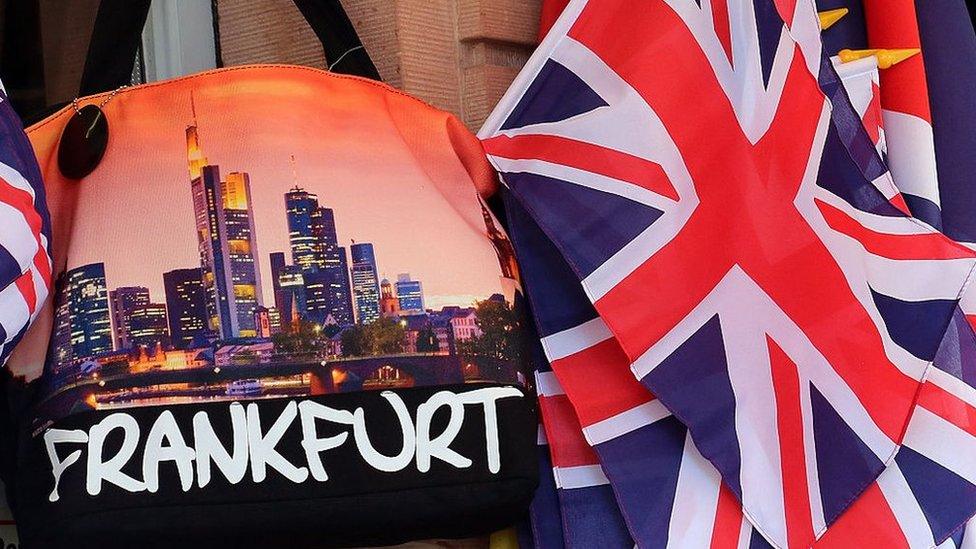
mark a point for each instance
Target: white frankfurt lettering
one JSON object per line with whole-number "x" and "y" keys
{"x": 255, "y": 446}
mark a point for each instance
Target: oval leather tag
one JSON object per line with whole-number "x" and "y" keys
{"x": 83, "y": 142}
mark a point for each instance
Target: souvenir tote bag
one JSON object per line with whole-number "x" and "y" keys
{"x": 282, "y": 317}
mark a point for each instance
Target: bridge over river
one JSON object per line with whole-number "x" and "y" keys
{"x": 425, "y": 368}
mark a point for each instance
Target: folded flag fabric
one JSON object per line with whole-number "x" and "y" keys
{"x": 574, "y": 490}
{"x": 25, "y": 233}
{"x": 948, "y": 48}
{"x": 545, "y": 518}
{"x": 545, "y": 521}
{"x": 718, "y": 206}
{"x": 926, "y": 100}
{"x": 948, "y": 51}
{"x": 892, "y": 24}
{"x": 941, "y": 93}
{"x": 667, "y": 493}
{"x": 590, "y": 513}
{"x": 673, "y": 498}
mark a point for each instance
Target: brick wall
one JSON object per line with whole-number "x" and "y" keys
{"x": 266, "y": 31}
{"x": 458, "y": 55}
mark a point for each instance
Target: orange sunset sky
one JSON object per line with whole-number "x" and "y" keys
{"x": 135, "y": 213}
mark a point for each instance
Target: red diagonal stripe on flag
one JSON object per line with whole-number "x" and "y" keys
{"x": 868, "y": 522}
{"x": 789, "y": 423}
{"x": 728, "y": 520}
{"x": 948, "y": 406}
{"x": 722, "y": 25}
{"x": 25, "y": 283}
{"x": 893, "y": 246}
{"x": 584, "y": 156}
{"x": 602, "y": 365}
{"x": 786, "y": 9}
{"x": 24, "y": 203}
{"x": 565, "y": 435}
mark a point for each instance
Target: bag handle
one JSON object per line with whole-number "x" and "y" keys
{"x": 114, "y": 42}
{"x": 117, "y": 35}
{"x": 341, "y": 44}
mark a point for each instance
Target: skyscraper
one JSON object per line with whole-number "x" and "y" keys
{"x": 186, "y": 304}
{"x": 300, "y": 207}
{"x": 365, "y": 285}
{"x": 344, "y": 314}
{"x": 317, "y": 302}
{"x": 226, "y": 239}
{"x": 410, "y": 293}
{"x": 274, "y": 320}
{"x": 332, "y": 261}
{"x": 91, "y": 327}
{"x": 277, "y": 264}
{"x": 315, "y": 250}
{"x": 122, "y": 301}
{"x": 293, "y": 295}
{"x": 216, "y": 276}
{"x": 242, "y": 249}
{"x": 62, "y": 352}
{"x": 148, "y": 326}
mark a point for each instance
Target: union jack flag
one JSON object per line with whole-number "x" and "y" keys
{"x": 25, "y": 233}
{"x": 745, "y": 321}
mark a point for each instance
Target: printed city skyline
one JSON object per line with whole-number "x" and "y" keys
{"x": 402, "y": 223}
{"x": 313, "y": 282}
{"x": 233, "y": 262}
{"x": 316, "y": 280}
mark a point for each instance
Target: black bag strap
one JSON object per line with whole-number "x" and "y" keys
{"x": 118, "y": 28}
{"x": 341, "y": 44}
{"x": 114, "y": 42}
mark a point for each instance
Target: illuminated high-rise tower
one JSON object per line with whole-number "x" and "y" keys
{"x": 91, "y": 326}
{"x": 186, "y": 306}
{"x": 62, "y": 352}
{"x": 315, "y": 250}
{"x": 149, "y": 327}
{"x": 226, "y": 242}
{"x": 300, "y": 207}
{"x": 122, "y": 302}
{"x": 331, "y": 260}
{"x": 194, "y": 152}
{"x": 410, "y": 293}
{"x": 365, "y": 285}
{"x": 242, "y": 249}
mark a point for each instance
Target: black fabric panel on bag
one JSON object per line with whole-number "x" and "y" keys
{"x": 114, "y": 43}
{"x": 343, "y": 50}
{"x": 366, "y": 499}
{"x": 118, "y": 32}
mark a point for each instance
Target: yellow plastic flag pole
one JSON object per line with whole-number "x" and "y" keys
{"x": 886, "y": 58}
{"x": 829, "y": 17}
